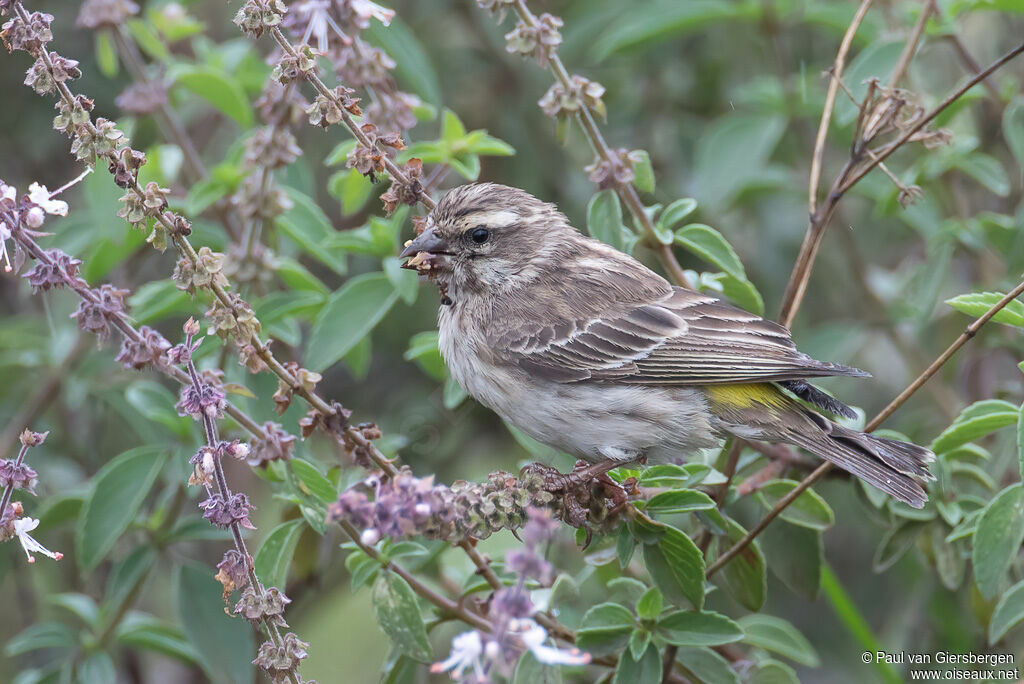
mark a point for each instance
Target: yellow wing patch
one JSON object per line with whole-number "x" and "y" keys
{"x": 745, "y": 396}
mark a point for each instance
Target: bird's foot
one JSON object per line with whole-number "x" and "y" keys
{"x": 584, "y": 486}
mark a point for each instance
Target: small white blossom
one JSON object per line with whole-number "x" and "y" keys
{"x": 534, "y": 636}
{"x": 39, "y": 195}
{"x": 7, "y": 192}
{"x": 22, "y": 527}
{"x": 367, "y": 9}
{"x": 369, "y": 537}
{"x": 466, "y": 651}
{"x": 319, "y": 23}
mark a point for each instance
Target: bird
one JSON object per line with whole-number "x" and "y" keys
{"x": 587, "y": 350}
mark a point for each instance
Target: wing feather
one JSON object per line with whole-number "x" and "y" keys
{"x": 686, "y": 338}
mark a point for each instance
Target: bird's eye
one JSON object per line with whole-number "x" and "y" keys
{"x": 479, "y": 235}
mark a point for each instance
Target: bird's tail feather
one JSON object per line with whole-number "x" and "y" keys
{"x": 894, "y": 467}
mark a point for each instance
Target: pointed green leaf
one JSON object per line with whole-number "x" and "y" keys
{"x": 698, "y": 628}
{"x": 398, "y": 614}
{"x": 978, "y": 303}
{"x": 349, "y": 315}
{"x": 275, "y": 554}
{"x": 807, "y": 510}
{"x": 224, "y": 644}
{"x": 779, "y": 636}
{"x": 997, "y": 539}
{"x": 677, "y": 567}
{"x": 118, "y": 490}
{"x": 1007, "y": 614}
{"x": 604, "y": 218}
{"x": 975, "y": 421}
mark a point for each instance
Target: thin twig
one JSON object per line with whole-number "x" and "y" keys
{"x": 910, "y": 48}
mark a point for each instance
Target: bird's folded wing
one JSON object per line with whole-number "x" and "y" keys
{"x": 687, "y": 338}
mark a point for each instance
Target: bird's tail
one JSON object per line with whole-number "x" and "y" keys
{"x": 897, "y": 468}
{"x": 764, "y": 412}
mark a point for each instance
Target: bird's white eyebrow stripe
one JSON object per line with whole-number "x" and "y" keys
{"x": 496, "y": 217}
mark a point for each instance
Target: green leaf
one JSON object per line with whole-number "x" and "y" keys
{"x": 147, "y": 632}
{"x": 40, "y": 636}
{"x": 106, "y": 54}
{"x": 203, "y": 194}
{"x": 977, "y": 420}
{"x": 604, "y": 218}
{"x": 275, "y": 555}
{"x": 1007, "y": 614}
{"x": 1020, "y": 440}
{"x": 1013, "y": 128}
{"x": 732, "y": 153}
{"x": 710, "y": 245}
{"x": 317, "y": 484}
{"x": 413, "y": 67}
{"x": 643, "y": 670}
{"x": 897, "y": 540}
{"x": 745, "y": 576}
{"x": 398, "y": 613}
{"x": 997, "y": 539}
{"x": 773, "y": 672}
{"x": 639, "y": 640}
{"x": 950, "y": 562}
{"x": 605, "y": 628}
{"x": 693, "y": 628}
{"x": 156, "y": 403}
{"x": 794, "y": 555}
{"x": 779, "y": 636}
{"x": 308, "y": 226}
{"x": 807, "y": 510}
{"x": 531, "y": 671}
{"x": 740, "y": 291}
{"x": 977, "y": 303}
{"x": 126, "y": 575}
{"x": 649, "y": 606}
{"x": 217, "y": 88}
{"x": 351, "y": 188}
{"x": 986, "y": 170}
{"x": 677, "y": 567}
{"x": 148, "y": 40}
{"x": 224, "y": 645}
{"x": 676, "y": 212}
{"x": 708, "y": 666}
{"x": 679, "y": 501}
{"x": 97, "y": 668}
{"x": 669, "y": 19}
{"x": 674, "y": 476}
{"x": 158, "y": 299}
{"x": 643, "y": 172}
{"x": 405, "y": 282}
{"x": 349, "y": 315}
{"x": 80, "y": 605}
{"x": 119, "y": 488}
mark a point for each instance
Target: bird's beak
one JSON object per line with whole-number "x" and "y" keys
{"x": 428, "y": 242}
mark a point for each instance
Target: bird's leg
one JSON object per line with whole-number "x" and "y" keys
{"x": 582, "y": 484}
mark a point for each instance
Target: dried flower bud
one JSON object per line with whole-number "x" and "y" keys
{"x": 294, "y": 67}
{"x": 275, "y": 445}
{"x": 59, "y": 272}
{"x": 17, "y": 476}
{"x": 560, "y": 102}
{"x": 30, "y": 35}
{"x": 202, "y": 274}
{"x": 206, "y": 400}
{"x": 32, "y": 439}
{"x": 95, "y": 316}
{"x": 124, "y": 165}
{"x": 257, "y": 16}
{"x": 304, "y": 379}
{"x": 98, "y": 140}
{"x": 404, "y": 193}
{"x": 233, "y": 571}
{"x": 334, "y": 424}
{"x": 236, "y": 319}
{"x": 326, "y": 111}
{"x": 278, "y": 661}
{"x": 96, "y": 14}
{"x": 539, "y": 40}
{"x": 268, "y": 606}
{"x": 226, "y": 512}
{"x": 148, "y": 351}
{"x": 271, "y": 147}
{"x": 614, "y": 172}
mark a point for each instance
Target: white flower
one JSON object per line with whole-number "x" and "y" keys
{"x": 22, "y": 527}
{"x": 466, "y": 651}
{"x": 7, "y": 192}
{"x": 5, "y": 235}
{"x": 319, "y": 23}
{"x": 367, "y": 9}
{"x": 534, "y": 636}
{"x": 39, "y": 195}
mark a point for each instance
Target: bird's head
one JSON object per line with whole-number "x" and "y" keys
{"x": 487, "y": 237}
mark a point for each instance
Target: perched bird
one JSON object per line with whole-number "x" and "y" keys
{"x": 587, "y": 350}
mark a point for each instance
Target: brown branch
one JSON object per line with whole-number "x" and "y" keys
{"x": 910, "y": 48}
{"x": 873, "y": 424}
{"x": 794, "y": 290}
{"x": 627, "y": 191}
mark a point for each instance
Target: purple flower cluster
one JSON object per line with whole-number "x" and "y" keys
{"x": 405, "y": 505}
{"x": 207, "y": 400}
{"x": 225, "y": 511}
{"x": 61, "y": 270}
{"x": 94, "y": 315}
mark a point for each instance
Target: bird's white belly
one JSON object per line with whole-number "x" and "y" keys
{"x": 592, "y": 421}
